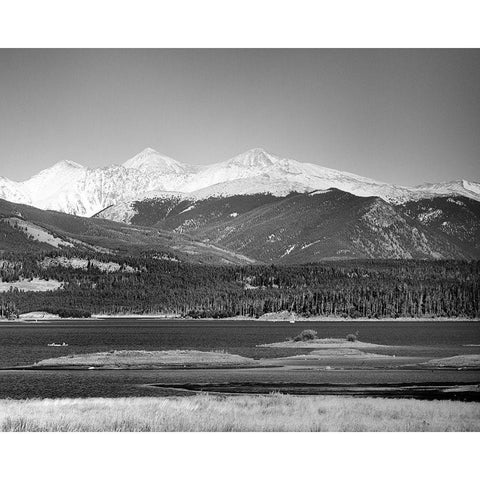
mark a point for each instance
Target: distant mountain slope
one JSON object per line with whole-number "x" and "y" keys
{"x": 304, "y": 227}
{"x": 330, "y": 225}
{"x": 69, "y": 187}
{"x": 462, "y": 188}
{"x": 455, "y": 216}
{"x": 25, "y": 228}
{"x": 185, "y": 214}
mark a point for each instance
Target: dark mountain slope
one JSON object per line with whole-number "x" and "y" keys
{"x": 457, "y": 217}
{"x": 329, "y": 225}
{"x": 308, "y": 227}
{"x": 187, "y": 215}
{"x": 25, "y": 228}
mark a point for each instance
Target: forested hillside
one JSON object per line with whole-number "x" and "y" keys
{"x": 457, "y": 217}
{"x": 28, "y": 229}
{"x": 315, "y": 226}
{"x": 145, "y": 284}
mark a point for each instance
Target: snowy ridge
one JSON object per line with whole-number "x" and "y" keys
{"x": 72, "y": 188}
{"x": 250, "y": 186}
{"x": 459, "y": 187}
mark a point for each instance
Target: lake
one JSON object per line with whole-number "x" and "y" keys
{"x": 25, "y": 343}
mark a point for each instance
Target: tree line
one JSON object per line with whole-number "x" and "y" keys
{"x": 353, "y": 289}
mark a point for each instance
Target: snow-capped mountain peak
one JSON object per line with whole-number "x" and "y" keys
{"x": 253, "y": 158}
{"x": 256, "y": 162}
{"x": 61, "y": 167}
{"x": 70, "y": 187}
{"x": 262, "y": 168}
{"x": 66, "y": 164}
{"x": 59, "y": 172}
{"x": 149, "y": 160}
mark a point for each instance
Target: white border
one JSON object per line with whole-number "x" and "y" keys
{"x": 245, "y": 24}
{"x": 239, "y": 456}
{"x": 239, "y": 23}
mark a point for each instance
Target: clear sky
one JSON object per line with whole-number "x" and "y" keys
{"x": 401, "y": 116}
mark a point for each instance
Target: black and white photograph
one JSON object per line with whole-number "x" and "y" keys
{"x": 239, "y": 240}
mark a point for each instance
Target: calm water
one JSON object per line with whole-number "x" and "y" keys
{"x": 23, "y": 344}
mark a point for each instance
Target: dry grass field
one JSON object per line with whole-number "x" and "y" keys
{"x": 238, "y": 413}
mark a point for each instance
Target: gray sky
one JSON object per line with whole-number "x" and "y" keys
{"x": 401, "y": 116}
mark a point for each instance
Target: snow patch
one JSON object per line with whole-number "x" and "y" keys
{"x": 429, "y": 216}
{"x": 165, "y": 257}
{"x": 310, "y": 244}
{"x": 191, "y": 207}
{"x": 319, "y": 192}
{"x": 456, "y": 202}
{"x": 288, "y": 250}
{"x": 272, "y": 238}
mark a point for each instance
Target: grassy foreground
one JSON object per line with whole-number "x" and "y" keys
{"x": 238, "y": 413}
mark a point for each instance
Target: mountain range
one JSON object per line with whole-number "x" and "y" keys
{"x": 72, "y": 188}
{"x": 255, "y": 207}
{"x": 318, "y": 225}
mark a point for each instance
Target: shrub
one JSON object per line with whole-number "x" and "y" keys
{"x": 351, "y": 337}
{"x": 305, "y": 336}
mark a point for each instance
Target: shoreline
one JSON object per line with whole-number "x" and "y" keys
{"x": 159, "y": 316}
{"x": 33, "y": 317}
{"x": 286, "y": 320}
